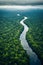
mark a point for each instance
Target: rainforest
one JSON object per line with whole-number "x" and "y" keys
{"x": 16, "y": 50}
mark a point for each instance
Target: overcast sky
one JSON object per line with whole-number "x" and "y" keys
{"x": 21, "y": 1}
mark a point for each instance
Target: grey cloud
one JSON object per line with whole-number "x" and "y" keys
{"x": 20, "y": 1}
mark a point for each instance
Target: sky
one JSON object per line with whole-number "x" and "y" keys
{"x": 21, "y": 2}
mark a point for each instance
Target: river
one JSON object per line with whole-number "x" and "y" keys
{"x": 34, "y": 60}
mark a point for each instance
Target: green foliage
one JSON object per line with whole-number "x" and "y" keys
{"x": 35, "y": 34}
{"x": 11, "y": 51}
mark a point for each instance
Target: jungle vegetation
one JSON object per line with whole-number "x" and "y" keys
{"x": 35, "y": 34}
{"x": 11, "y": 50}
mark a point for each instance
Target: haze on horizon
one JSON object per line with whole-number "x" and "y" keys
{"x": 21, "y": 2}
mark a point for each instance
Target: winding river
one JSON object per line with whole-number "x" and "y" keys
{"x": 34, "y": 60}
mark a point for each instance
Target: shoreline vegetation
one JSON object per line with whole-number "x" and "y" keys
{"x": 11, "y": 51}
{"x": 34, "y": 36}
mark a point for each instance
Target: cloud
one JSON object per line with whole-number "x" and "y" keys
{"x": 20, "y": 1}
{"x": 13, "y": 7}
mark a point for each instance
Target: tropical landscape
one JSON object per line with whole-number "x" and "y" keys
{"x": 21, "y": 33}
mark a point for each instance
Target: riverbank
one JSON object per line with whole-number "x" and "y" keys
{"x": 33, "y": 48}
{"x": 34, "y": 36}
